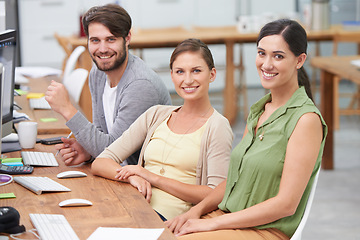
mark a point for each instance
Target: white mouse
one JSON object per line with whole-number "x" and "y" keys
{"x": 71, "y": 174}
{"x": 75, "y": 202}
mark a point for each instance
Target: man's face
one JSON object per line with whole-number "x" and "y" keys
{"x": 107, "y": 51}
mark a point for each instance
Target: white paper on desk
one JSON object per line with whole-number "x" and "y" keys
{"x": 356, "y": 62}
{"x": 37, "y": 72}
{"x": 112, "y": 233}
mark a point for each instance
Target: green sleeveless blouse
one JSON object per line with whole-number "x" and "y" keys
{"x": 256, "y": 166}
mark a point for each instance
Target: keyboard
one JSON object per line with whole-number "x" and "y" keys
{"x": 39, "y": 103}
{"x": 53, "y": 227}
{"x": 44, "y": 159}
{"x": 40, "y": 184}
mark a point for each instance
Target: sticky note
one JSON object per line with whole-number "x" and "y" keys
{"x": 21, "y": 92}
{"x": 48, "y": 119}
{"x": 7, "y": 195}
{"x": 11, "y": 160}
{"x": 35, "y": 95}
{"x": 13, "y": 164}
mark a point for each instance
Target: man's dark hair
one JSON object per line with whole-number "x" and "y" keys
{"x": 112, "y": 16}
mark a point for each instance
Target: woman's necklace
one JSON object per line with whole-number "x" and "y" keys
{"x": 262, "y": 135}
{"x": 162, "y": 170}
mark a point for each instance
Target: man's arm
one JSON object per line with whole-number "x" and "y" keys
{"x": 58, "y": 98}
{"x": 135, "y": 100}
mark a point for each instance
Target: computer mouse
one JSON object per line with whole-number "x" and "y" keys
{"x": 75, "y": 202}
{"x": 71, "y": 174}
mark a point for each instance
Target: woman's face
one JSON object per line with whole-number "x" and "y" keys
{"x": 276, "y": 64}
{"x": 191, "y": 76}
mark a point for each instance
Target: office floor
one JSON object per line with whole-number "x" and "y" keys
{"x": 335, "y": 212}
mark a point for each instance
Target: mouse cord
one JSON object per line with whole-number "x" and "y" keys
{"x": 33, "y": 231}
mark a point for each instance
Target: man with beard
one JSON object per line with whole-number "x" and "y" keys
{"x": 122, "y": 88}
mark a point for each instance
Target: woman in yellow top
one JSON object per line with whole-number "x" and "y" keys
{"x": 272, "y": 169}
{"x": 185, "y": 150}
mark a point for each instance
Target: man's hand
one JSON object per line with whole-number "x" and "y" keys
{"x": 58, "y": 98}
{"x": 71, "y": 152}
{"x": 143, "y": 186}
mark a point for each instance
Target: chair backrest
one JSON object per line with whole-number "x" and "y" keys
{"x": 345, "y": 36}
{"x": 300, "y": 228}
{"x": 72, "y": 60}
{"x": 74, "y": 83}
{"x": 64, "y": 43}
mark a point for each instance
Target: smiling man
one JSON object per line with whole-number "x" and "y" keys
{"x": 122, "y": 87}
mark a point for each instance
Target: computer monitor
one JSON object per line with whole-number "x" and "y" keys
{"x": 7, "y": 59}
{"x": 1, "y": 100}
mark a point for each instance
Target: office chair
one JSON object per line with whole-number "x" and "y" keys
{"x": 75, "y": 82}
{"x": 345, "y": 37}
{"x": 300, "y": 228}
{"x": 71, "y": 61}
{"x": 64, "y": 43}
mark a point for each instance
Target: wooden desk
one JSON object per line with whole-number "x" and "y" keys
{"x": 330, "y": 67}
{"x": 39, "y": 85}
{"x": 228, "y": 35}
{"x": 115, "y": 204}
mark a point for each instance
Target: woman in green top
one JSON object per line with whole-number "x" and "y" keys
{"x": 273, "y": 167}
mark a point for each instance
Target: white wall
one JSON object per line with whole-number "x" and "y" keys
{"x": 38, "y": 27}
{"x": 265, "y": 9}
{"x": 2, "y": 16}
{"x": 186, "y": 13}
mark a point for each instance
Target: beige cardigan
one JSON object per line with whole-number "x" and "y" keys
{"x": 215, "y": 149}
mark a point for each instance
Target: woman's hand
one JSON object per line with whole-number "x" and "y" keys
{"x": 129, "y": 170}
{"x": 143, "y": 186}
{"x": 178, "y": 222}
{"x": 197, "y": 225}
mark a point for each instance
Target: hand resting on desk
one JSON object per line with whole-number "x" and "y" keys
{"x": 71, "y": 152}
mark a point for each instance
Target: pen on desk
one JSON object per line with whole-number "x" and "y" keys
{"x": 57, "y": 153}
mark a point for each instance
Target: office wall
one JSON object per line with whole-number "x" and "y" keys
{"x": 185, "y": 13}
{"x": 2, "y": 16}
{"x": 39, "y": 19}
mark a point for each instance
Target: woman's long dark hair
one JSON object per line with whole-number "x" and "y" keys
{"x": 295, "y": 36}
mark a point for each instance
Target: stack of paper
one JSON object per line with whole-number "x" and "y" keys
{"x": 112, "y": 233}
{"x": 37, "y": 72}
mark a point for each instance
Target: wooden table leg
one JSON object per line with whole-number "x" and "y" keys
{"x": 327, "y": 111}
{"x": 230, "y": 99}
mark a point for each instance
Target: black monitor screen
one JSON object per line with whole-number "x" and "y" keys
{"x": 7, "y": 58}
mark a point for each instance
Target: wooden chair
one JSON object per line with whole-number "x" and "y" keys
{"x": 354, "y": 106}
